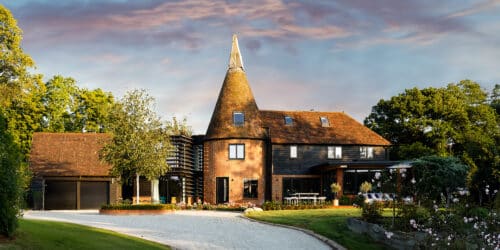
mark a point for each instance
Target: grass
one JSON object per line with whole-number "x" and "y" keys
{"x": 38, "y": 234}
{"x": 330, "y": 223}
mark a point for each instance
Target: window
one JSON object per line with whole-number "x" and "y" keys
{"x": 236, "y": 151}
{"x": 238, "y": 118}
{"x": 324, "y": 121}
{"x": 334, "y": 152}
{"x": 366, "y": 152}
{"x": 293, "y": 151}
{"x": 288, "y": 120}
{"x": 250, "y": 188}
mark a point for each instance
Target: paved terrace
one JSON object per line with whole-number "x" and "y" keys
{"x": 191, "y": 229}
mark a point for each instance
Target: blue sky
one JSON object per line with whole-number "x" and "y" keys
{"x": 342, "y": 55}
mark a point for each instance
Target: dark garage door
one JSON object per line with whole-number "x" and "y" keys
{"x": 93, "y": 194}
{"x": 60, "y": 195}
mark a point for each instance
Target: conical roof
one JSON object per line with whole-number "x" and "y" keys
{"x": 235, "y": 96}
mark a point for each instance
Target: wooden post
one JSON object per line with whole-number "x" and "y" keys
{"x": 137, "y": 185}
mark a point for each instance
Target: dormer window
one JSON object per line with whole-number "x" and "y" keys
{"x": 288, "y": 120}
{"x": 324, "y": 121}
{"x": 238, "y": 118}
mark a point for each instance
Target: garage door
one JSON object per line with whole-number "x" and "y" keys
{"x": 93, "y": 194}
{"x": 60, "y": 195}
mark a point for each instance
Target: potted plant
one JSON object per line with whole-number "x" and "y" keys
{"x": 335, "y": 189}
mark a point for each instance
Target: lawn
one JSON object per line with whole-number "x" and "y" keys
{"x": 38, "y": 234}
{"x": 330, "y": 223}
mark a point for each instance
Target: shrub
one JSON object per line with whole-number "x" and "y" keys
{"x": 359, "y": 200}
{"x": 11, "y": 181}
{"x": 138, "y": 207}
{"x": 372, "y": 212}
{"x": 345, "y": 200}
{"x": 365, "y": 187}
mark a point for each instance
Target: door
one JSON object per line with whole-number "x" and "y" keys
{"x": 222, "y": 189}
{"x": 93, "y": 194}
{"x": 60, "y": 194}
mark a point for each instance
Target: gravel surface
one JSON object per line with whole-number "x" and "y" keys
{"x": 191, "y": 229}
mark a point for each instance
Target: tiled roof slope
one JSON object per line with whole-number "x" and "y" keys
{"x": 307, "y": 129}
{"x": 68, "y": 154}
{"x": 235, "y": 95}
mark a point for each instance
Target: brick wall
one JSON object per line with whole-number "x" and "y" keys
{"x": 218, "y": 164}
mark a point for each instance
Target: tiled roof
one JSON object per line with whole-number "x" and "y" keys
{"x": 235, "y": 95}
{"x": 307, "y": 129}
{"x": 68, "y": 154}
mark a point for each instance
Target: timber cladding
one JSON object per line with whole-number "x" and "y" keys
{"x": 218, "y": 164}
{"x": 68, "y": 154}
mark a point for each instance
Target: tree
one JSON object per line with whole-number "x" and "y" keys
{"x": 11, "y": 181}
{"x": 455, "y": 120}
{"x": 140, "y": 142}
{"x": 13, "y": 61}
{"x": 91, "y": 111}
{"x": 59, "y": 101}
{"x": 436, "y": 176}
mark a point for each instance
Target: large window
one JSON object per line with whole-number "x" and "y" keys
{"x": 354, "y": 177}
{"x": 334, "y": 152}
{"x": 293, "y": 151}
{"x": 236, "y": 151}
{"x": 366, "y": 152}
{"x": 238, "y": 118}
{"x": 250, "y": 188}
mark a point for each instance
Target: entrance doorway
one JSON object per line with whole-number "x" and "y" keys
{"x": 222, "y": 189}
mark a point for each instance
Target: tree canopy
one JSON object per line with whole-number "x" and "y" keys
{"x": 140, "y": 143}
{"x": 455, "y": 120}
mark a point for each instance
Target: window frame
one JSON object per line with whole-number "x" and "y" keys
{"x": 237, "y": 152}
{"x": 238, "y": 124}
{"x": 253, "y": 185}
{"x": 335, "y": 150}
{"x": 294, "y": 149}
{"x": 366, "y": 152}
{"x": 324, "y": 121}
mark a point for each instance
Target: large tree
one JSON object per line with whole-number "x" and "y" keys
{"x": 11, "y": 181}
{"x": 453, "y": 120}
{"x": 140, "y": 143}
{"x": 14, "y": 63}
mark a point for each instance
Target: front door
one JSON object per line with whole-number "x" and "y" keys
{"x": 222, "y": 189}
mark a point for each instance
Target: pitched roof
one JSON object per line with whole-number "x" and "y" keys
{"x": 307, "y": 129}
{"x": 235, "y": 96}
{"x": 68, "y": 154}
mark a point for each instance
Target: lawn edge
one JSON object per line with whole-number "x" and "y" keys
{"x": 331, "y": 243}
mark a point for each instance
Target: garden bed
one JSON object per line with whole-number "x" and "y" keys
{"x": 141, "y": 209}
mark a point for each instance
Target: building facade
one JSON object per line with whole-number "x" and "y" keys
{"x": 253, "y": 155}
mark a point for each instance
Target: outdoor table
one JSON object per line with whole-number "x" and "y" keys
{"x": 307, "y": 196}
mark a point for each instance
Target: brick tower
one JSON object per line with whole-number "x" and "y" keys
{"x": 234, "y": 147}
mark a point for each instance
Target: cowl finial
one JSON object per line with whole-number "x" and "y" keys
{"x": 235, "y": 61}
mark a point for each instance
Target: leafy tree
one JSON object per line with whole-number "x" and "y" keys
{"x": 91, "y": 111}
{"x": 59, "y": 101}
{"x": 13, "y": 61}
{"x": 436, "y": 176}
{"x": 140, "y": 142}
{"x": 454, "y": 120}
{"x": 495, "y": 98}
{"x": 11, "y": 181}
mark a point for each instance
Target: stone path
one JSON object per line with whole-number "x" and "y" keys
{"x": 192, "y": 229}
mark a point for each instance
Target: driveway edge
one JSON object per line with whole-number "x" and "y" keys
{"x": 329, "y": 242}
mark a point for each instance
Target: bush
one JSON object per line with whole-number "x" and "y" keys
{"x": 138, "y": 207}
{"x": 359, "y": 200}
{"x": 372, "y": 212}
{"x": 345, "y": 200}
{"x": 11, "y": 181}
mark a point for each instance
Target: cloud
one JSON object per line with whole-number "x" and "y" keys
{"x": 476, "y": 8}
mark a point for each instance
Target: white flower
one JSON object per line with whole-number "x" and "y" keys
{"x": 413, "y": 181}
{"x": 486, "y": 190}
{"x": 377, "y": 175}
{"x": 389, "y": 234}
{"x": 465, "y": 219}
{"x": 455, "y": 200}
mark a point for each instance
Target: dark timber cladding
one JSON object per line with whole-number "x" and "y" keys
{"x": 181, "y": 164}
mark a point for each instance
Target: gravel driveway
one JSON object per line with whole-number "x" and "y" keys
{"x": 192, "y": 229}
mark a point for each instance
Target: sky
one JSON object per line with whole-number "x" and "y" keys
{"x": 342, "y": 55}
